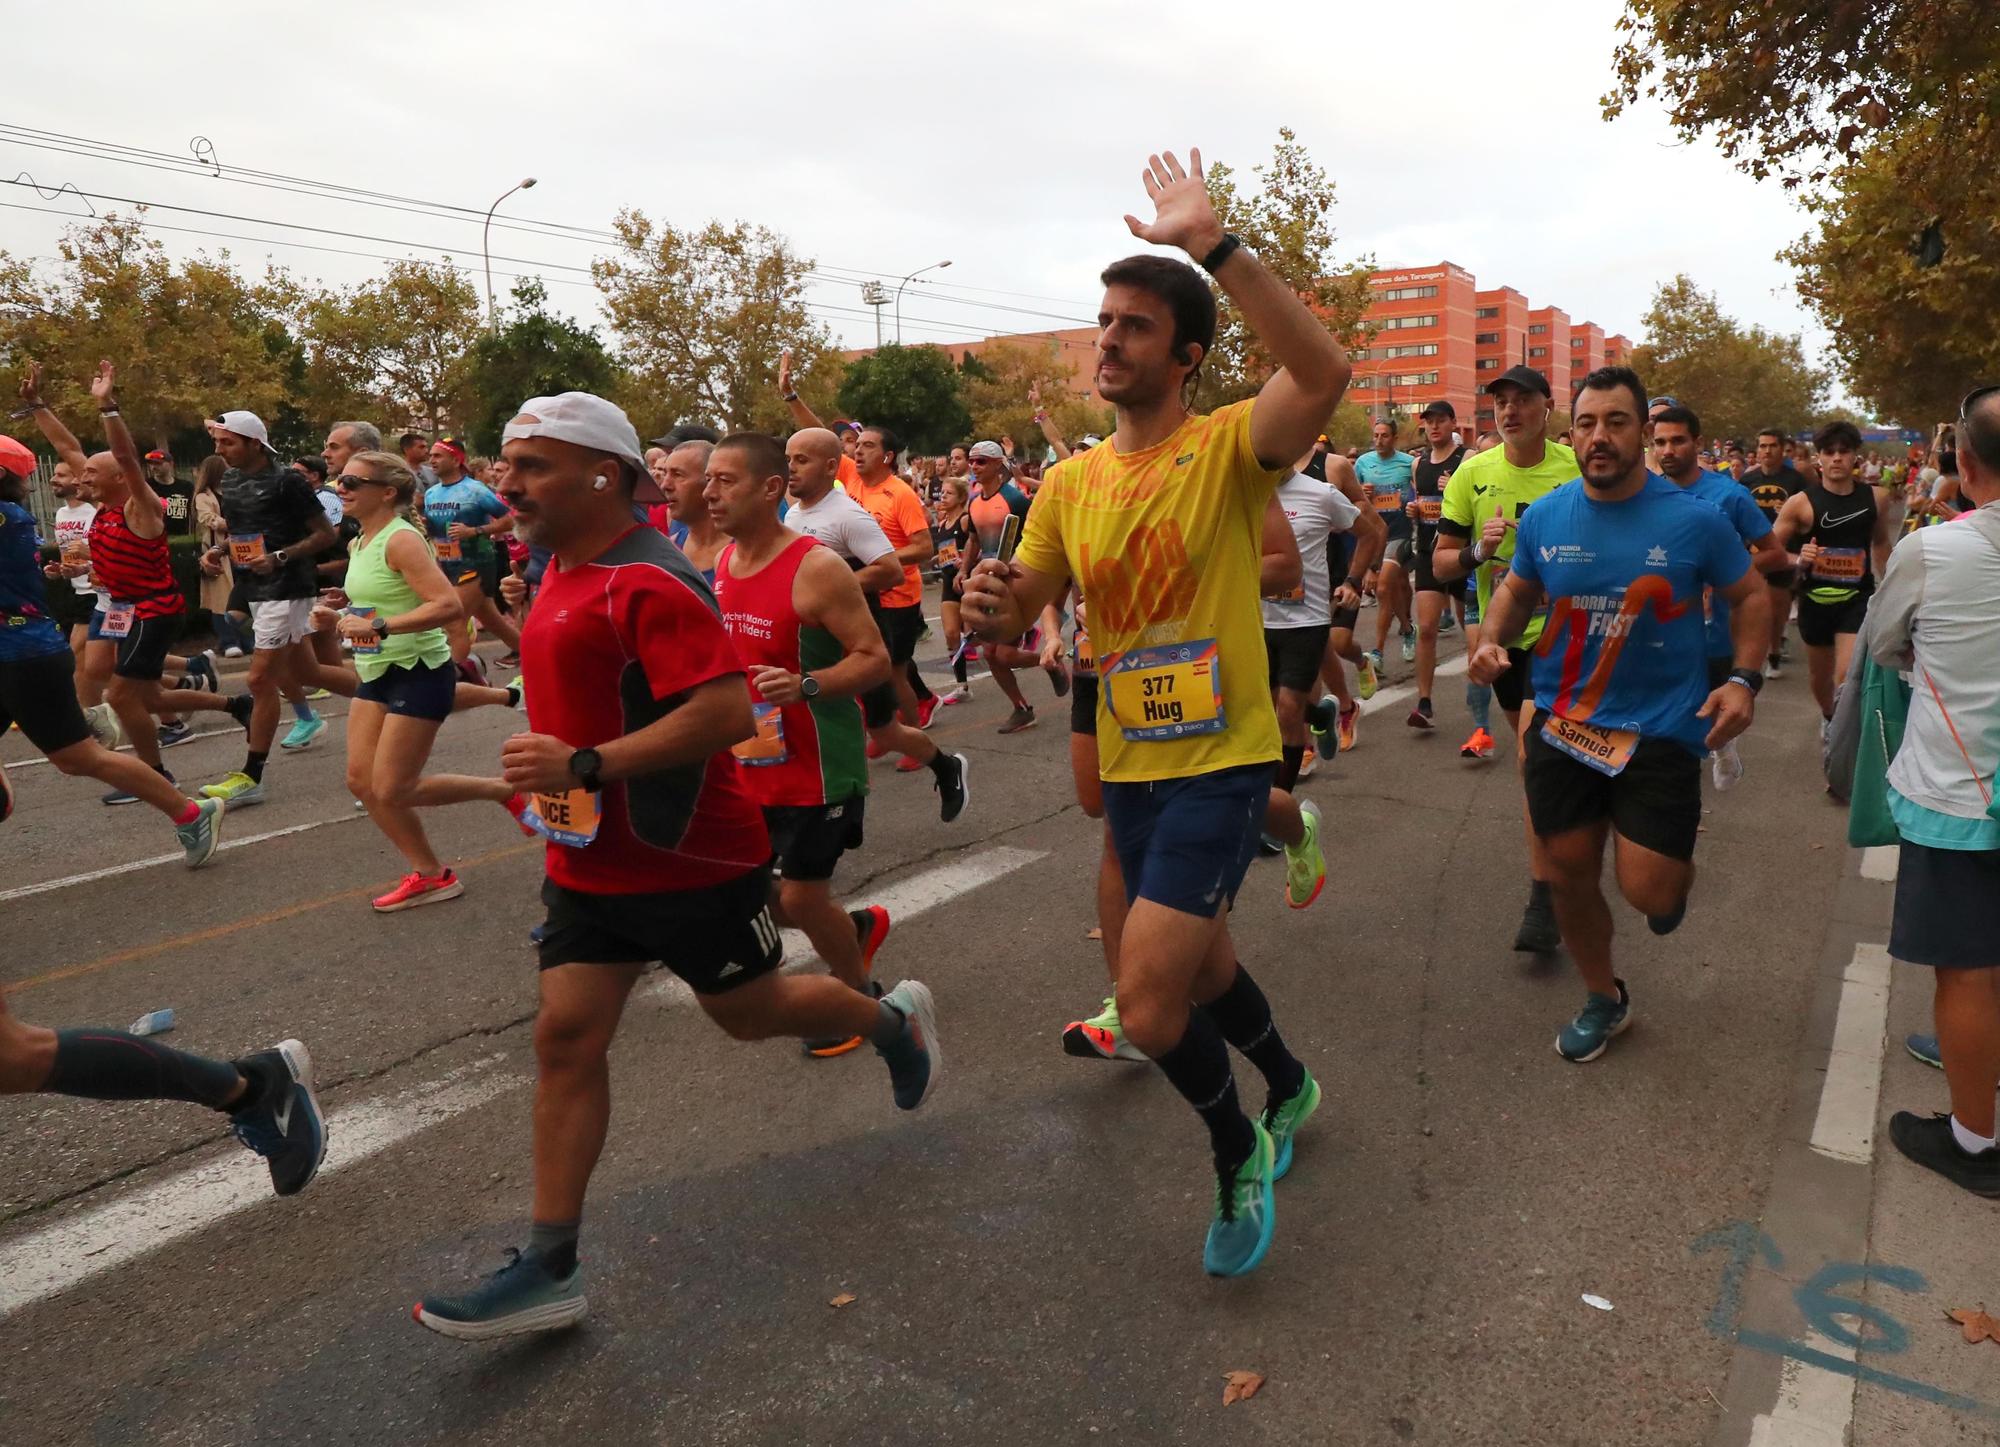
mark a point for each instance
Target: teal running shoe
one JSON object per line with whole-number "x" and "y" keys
{"x": 915, "y": 1062}
{"x": 303, "y": 734}
{"x": 1603, "y": 1017}
{"x": 200, "y": 836}
{"x": 522, "y": 1296}
{"x": 1283, "y": 1122}
{"x": 1245, "y": 1213}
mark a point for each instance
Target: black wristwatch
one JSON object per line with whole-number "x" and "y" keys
{"x": 585, "y": 764}
{"x": 381, "y": 627}
{"x": 1224, "y": 249}
{"x": 1750, "y": 678}
{"x": 808, "y": 686}
{"x": 1357, "y": 584}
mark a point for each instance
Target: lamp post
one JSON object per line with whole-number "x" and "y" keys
{"x": 486, "y": 245}
{"x": 934, "y": 266}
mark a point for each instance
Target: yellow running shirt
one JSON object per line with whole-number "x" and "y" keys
{"x": 1167, "y": 544}
{"x": 1487, "y": 482}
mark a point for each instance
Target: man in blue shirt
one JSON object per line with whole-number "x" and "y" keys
{"x": 465, "y": 517}
{"x": 1623, "y": 709}
{"x": 1387, "y": 472}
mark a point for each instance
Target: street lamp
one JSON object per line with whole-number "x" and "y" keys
{"x": 934, "y": 266}
{"x": 486, "y": 245}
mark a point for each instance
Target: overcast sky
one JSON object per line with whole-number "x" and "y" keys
{"x": 880, "y": 137}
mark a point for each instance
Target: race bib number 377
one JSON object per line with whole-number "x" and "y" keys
{"x": 1167, "y": 692}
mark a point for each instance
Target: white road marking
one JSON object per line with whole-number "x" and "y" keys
{"x": 1383, "y": 698}
{"x": 72, "y": 1250}
{"x": 111, "y": 871}
{"x": 1879, "y": 861}
{"x": 1814, "y": 1406}
{"x": 1845, "y": 1126}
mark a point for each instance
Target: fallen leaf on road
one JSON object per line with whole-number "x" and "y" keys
{"x": 1242, "y": 1387}
{"x": 1978, "y": 1325}
{"x": 1819, "y": 846}
{"x": 1095, "y": 933}
{"x": 846, "y": 1298}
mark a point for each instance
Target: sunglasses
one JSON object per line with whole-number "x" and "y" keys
{"x": 349, "y": 480}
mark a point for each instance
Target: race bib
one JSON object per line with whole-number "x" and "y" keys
{"x": 1294, "y": 594}
{"x": 1166, "y": 692}
{"x": 1606, "y": 750}
{"x": 1086, "y": 654}
{"x": 447, "y": 550}
{"x": 1840, "y": 565}
{"x": 1430, "y": 510}
{"x": 947, "y": 556}
{"x": 569, "y": 818}
{"x": 117, "y": 621}
{"x": 76, "y": 550}
{"x": 371, "y": 644}
{"x": 245, "y": 548}
{"x": 766, "y": 746}
{"x": 1389, "y": 500}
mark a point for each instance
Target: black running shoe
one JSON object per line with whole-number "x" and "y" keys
{"x": 954, "y": 787}
{"x": 1538, "y": 934}
{"x": 240, "y": 706}
{"x": 1930, "y": 1143}
{"x": 283, "y": 1124}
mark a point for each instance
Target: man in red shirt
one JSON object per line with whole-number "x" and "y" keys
{"x": 656, "y": 851}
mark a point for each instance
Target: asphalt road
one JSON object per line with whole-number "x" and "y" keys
{"x": 1023, "y": 1254}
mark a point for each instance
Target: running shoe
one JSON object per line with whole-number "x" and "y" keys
{"x": 1931, "y": 1143}
{"x": 875, "y": 749}
{"x": 316, "y": 694}
{"x": 1373, "y": 657}
{"x": 232, "y": 652}
{"x": 1321, "y": 719}
{"x": 522, "y": 1296}
{"x": 200, "y": 835}
{"x": 104, "y": 725}
{"x": 516, "y": 805}
{"x": 303, "y": 733}
{"x": 1479, "y": 746}
{"x": 283, "y": 1123}
{"x": 1239, "y": 1236}
{"x": 1021, "y": 719}
{"x": 954, "y": 787}
{"x": 1420, "y": 716}
{"x": 1059, "y": 679}
{"x": 1446, "y": 623}
{"x": 957, "y": 693}
{"x": 1350, "y": 720}
{"x": 420, "y": 889}
{"x": 926, "y": 708}
{"x": 1365, "y": 679}
{"x": 915, "y": 1062}
{"x": 1603, "y": 1017}
{"x": 1283, "y": 1121}
{"x": 1100, "y": 1037}
{"x": 1538, "y": 934}
{"x": 1410, "y": 647}
{"x": 235, "y": 790}
{"x": 509, "y": 660}
{"x": 1924, "y": 1048}
{"x": 202, "y": 674}
{"x": 1774, "y": 667}
{"x": 117, "y": 797}
{"x": 1308, "y": 764}
{"x": 175, "y": 733}
{"x": 1305, "y": 866}
{"x": 909, "y": 764}
{"x": 239, "y": 707}
{"x": 1725, "y": 766}
{"x": 872, "y": 924}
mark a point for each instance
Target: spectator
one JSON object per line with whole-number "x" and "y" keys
{"x": 1935, "y": 615}
{"x": 231, "y": 616}
{"x": 417, "y": 456}
{"x": 176, "y": 497}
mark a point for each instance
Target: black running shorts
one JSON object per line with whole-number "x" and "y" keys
{"x": 1293, "y": 656}
{"x": 39, "y": 694}
{"x": 1655, "y": 801}
{"x": 808, "y": 839}
{"x": 1514, "y": 688}
{"x": 715, "y": 939}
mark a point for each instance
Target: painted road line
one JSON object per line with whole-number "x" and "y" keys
{"x": 1845, "y": 1126}
{"x": 71, "y": 1251}
{"x": 1814, "y": 1406}
{"x": 1383, "y": 698}
{"x": 114, "y": 870}
{"x": 1879, "y": 861}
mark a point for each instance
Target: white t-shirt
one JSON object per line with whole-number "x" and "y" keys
{"x": 73, "y": 526}
{"x": 841, "y": 523}
{"x": 1315, "y": 510}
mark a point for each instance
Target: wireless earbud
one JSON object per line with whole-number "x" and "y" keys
{"x": 598, "y": 484}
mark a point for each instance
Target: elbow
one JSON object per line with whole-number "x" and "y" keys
{"x": 879, "y": 670}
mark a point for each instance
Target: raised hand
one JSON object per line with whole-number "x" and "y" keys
{"x": 103, "y": 385}
{"x": 1183, "y": 215}
{"x": 31, "y": 385}
{"x": 785, "y": 371}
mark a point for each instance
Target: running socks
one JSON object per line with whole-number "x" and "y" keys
{"x": 1243, "y": 1016}
{"x": 958, "y": 663}
{"x": 303, "y": 711}
{"x": 1198, "y": 1067}
{"x": 1478, "y": 699}
{"x": 555, "y": 1241}
{"x": 513, "y": 696}
{"x": 111, "y": 1065}
{"x": 923, "y": 690}
{"x": 253, "y": 764}
{"x": 1292, "y": 759}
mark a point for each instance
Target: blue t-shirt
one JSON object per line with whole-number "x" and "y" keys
{"x": 1623, "y": 647}
{"x": 467, "y": 501}
{"x": 1383, "y": 475}
{"x": 26, "y": 629}
{"x": 1732, "y": 499}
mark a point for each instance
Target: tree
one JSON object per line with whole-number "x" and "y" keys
{"x": 534, "y": 353}
{"x": 701, "y": 317}
{"x": 913, "y": 391}
{"x": 1350, "y": 426}
{"x": 400, "y": 344}
{"x": 1736, "y": 378}
{"x": 1287, "y": 223}
{"x": 190, "y": 340}
{"x": 997, "y": 385}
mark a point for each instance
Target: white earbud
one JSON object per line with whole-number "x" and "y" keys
{"x": 598, "y": 484}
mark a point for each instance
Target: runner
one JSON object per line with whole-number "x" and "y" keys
{"x": 1386, "y": 471}
{"x": 72, "y": 604}
{"x": 1161, "y": 529}
{"x": 1676, "y": 445}
{"x": 1433, "y": 469}
{"x": 681, "y": 477}
{"x": 900, "y": 610}
{"x": 994, "y": 500}
{"x": 37, "y": 671}
{"x": 464, "y": 518}
{"x": 1622, "y": 707}
{"x": 1349, "y": 559}
{"x": 801, "y": 627}
{"x": 1772, "y": 484}
{"x": 655, "y": 851}
{"x": 955, "y": 529}
{"x": 1835, "y": 526}
{"x": 1482, "y": 505}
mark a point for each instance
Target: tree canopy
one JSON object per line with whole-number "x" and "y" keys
{"x": 532, "y": 353}
{"x": 913, "y": 391}
{"x": 1736, "y": 378}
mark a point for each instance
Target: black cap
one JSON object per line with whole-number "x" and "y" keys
{"x": 1439, "y": 408}
{"x": 1526, "y": 378}
{"x": 686, "y": 432}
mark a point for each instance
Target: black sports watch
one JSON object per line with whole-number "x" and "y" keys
{"x": 1750, "y": 678}
{"x": 585, "y": 764}
{"x": 808, "y": 686}
{"x": 381, "y": 627}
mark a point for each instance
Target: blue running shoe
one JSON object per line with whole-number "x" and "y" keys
{"x": 520, "y": 1297}
{"x": 303, "y": 733}
{"x": 1283, "y": 1122}
{"x": 1925, "y": 1048}
{"x": 176, "y": 733}
{"x": 1584, "y": 1038}
{"x": 1245, "y": 1213}
{"x": 284, "y": 1123}
{"x": 916, "y": 1064}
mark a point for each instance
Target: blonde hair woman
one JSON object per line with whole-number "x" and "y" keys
{"x": 954, "y": 530}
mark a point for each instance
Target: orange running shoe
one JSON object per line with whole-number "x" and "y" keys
{"x": 419, "y": 889}
{"x": 1479, "y": 746}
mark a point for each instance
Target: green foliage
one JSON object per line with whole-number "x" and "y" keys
{"x": 999, "y": 392}
{"x": 913, "y": 391}
{"x": 1736, "y": 378}
{"x": 534, "y": 353}
{"x": 394, "y": 349}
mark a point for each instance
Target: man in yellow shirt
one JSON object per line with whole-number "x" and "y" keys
{"x": 1161, "y": 528}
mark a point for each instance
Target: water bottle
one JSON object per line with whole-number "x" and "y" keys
{"x": 157, "y": 1023}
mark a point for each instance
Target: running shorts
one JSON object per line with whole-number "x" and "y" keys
{"x": 280, "y": 622}
{"x": 462, "y": 571}
{"x": 414, "y": 690}
{"x": 1514, "y": 688}
{"x": 715, "y": 939}
{"x": 1083, "y": 704}
{"x": 142, "y": 653}
{"x": 39, "y": 694}
{"x": 1186, "y": 843}
{"x": 1426, "y": 579}
{"x": 1819, "y": 622}
{"x": 1293, "y": 656}
{"x": 67, "y": 606}
{"x": 901, "y": 628}
{"x": 1960, "y": 937}
{"x": 1655, "y": 801}
{"x": 808, "y": 839}
{"x": 1785, "y": 580}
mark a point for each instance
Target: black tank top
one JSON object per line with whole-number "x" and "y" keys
{"x": 1429, "y": 479}
{"x": 1844, "y": 527}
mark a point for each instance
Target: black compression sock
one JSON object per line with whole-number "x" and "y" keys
{"x": 253, "y": 765}
{"x": 513, "y": 696}
{"x": 112, "y": 1065}
{"x": 1293, "y": 758}
{"x": 1243, "y": 1016}
{"x": 1538, "y": 893}
{"x": 556, "y": 1240}
{"x": 922, "y": 689}
{"x": 1198, "y": 1067}
{"x": 958, "y": 664}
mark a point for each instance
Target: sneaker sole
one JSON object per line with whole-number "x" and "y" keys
{"x": 240, "y": 801}
{"x": 926, "y": 1012}
{"x": 829, "y": 1052}
{"x": 1616, "y": 1030}
{"x": 179, "y": 739}
{"x": 549, "y": 1316}
{"x": 429, "y": 896}
{"x": 1019, "y": 728}
{"x": 298, "y": 1060}
{"x": 303, "y": 745}
{"x": 1078, "y": 1043}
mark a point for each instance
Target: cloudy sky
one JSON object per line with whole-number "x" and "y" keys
{"x": 880, "y": 137}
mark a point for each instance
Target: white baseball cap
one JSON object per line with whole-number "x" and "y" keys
{"x": 583, "y": 419}
{"x": 243, "y": 424}
{"x": 988, "y": 449}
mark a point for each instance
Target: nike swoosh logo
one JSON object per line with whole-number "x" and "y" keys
{"x": 1833, "y": 522}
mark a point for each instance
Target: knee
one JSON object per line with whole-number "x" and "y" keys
{"x": 396, "y": 793}
{"x": 75, "y": 761}
{"x": 1153, "y": 1021}
{"x": 125, "y": 693}
{"x": 360, "y": 785}
{"x": 566, "y": 1043}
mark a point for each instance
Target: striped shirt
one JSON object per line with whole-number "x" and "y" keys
{"x": 132, "y": 569}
